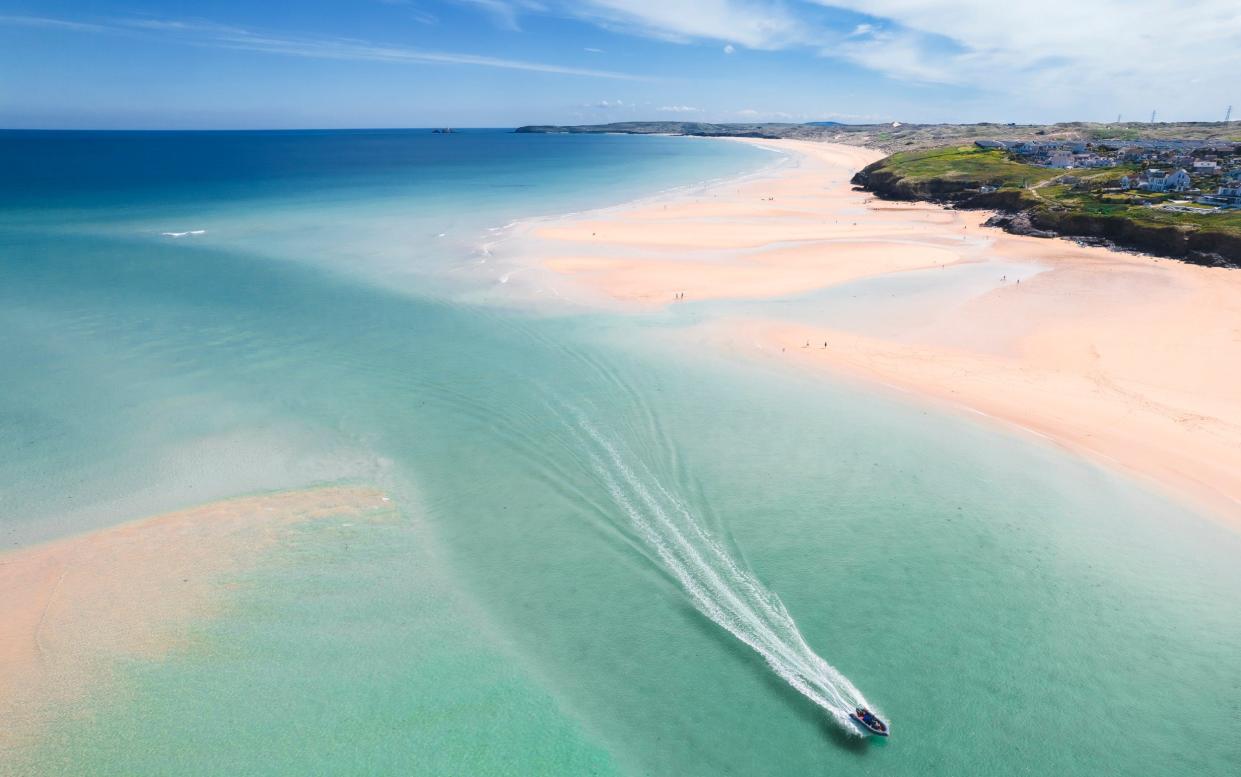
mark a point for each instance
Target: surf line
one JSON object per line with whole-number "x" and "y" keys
{"x": 715, "y": 583}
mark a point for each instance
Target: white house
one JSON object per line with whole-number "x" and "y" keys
{"x": 1156, "y": 181}
{"x": 1092, "y": 160}
{"x": 1060, "y": 158}
{"x": 1178, "y": 181}
{"x": 1125, "y": 183}
{"x": 1159, "y": 181}
{"x": 1229, "y": 195}
{"x": 1206, "y": 166}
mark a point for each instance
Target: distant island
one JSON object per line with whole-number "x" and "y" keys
{"x": 1170, "y": 189}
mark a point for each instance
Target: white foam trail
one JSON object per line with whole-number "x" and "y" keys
{"x": 718, "y": 587}
{"x": 183, "y": 234}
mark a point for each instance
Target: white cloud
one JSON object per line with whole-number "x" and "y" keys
{"x": 40, "y": 21}
{"x": 593, "y": 50}
{"x": 1061, "y": 58}
{"x": 1062, "y": 52}
{"x": 751, "y": 113}
{"x": 1066, "y": 56}
{"x": 505, "y": 12}
{"x": 206, "y": 33}
{"x": 677, "y": 109}
{"x": 756, "y": 24}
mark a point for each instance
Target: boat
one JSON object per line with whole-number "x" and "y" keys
{"x": 869, "y": 721}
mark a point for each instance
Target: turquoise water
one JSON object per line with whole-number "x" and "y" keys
{"x": 577, "y": 491}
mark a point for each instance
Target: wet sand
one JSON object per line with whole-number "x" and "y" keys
{"x": 1130, "y": 359}
{"x": 74, "y": 607}
{"x": 793, "y": 230}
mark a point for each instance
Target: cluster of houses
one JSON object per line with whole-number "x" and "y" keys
{"x": 1064, "y": 154}
{"x": 1195, "y": 167}
{"x": 1229, "y": 194}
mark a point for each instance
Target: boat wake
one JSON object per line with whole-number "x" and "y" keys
{"x": 718, "y": 586}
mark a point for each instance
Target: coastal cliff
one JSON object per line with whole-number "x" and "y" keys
{"x": 1023, "y": 208}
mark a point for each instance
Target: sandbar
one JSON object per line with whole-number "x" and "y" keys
{"x": 1133, "y": 360}
{"x": 73, "y": 607}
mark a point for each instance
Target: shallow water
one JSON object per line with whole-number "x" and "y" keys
{"x": 1010, "y": 608}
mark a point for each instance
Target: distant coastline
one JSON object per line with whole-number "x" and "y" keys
{"x": 1213, "y": 241}
{"x": 901, "y": 136}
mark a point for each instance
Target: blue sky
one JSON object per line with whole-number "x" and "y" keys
{"x": 386, "y": 63}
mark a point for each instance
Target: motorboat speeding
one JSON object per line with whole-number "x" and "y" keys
{"x": 869, "y": 721}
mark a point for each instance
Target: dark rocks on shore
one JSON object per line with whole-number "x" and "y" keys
{"x": 1021, "y": 213}
{"x": 1018, "y": 224}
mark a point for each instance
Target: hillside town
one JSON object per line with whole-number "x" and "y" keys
{"x": 1202, "y": 175}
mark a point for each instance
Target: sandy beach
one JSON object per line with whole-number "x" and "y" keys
{"x": 74, "y": 607}
{"x": 1130, "y": 359}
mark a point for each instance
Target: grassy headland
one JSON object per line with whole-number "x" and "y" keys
{"x": 1085, "y": 204}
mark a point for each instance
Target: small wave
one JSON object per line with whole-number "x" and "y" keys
{"x": 185, "y": 234}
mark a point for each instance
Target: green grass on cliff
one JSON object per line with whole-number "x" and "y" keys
{"x": 966, "y": 164}
{"x": 976, "y": 166}
{"x": 1127, "y": 206}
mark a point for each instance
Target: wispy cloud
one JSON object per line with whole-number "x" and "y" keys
{"x": 207, "y": 33}
{"x": 40, "y": 21}
{"x": 1065, "y": 50}
{"x": 753, "y": 114}
{"x": 1066, "y": 55}
{"x": 677, "y": 109}
{"x": 505, "y": 13}
{"x": 757, "y": 24}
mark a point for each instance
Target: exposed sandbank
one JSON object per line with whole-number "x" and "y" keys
{"x": 795, "y": 230}
{"x": 1132, "y": 359}
{"x": 72, "y": 607}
